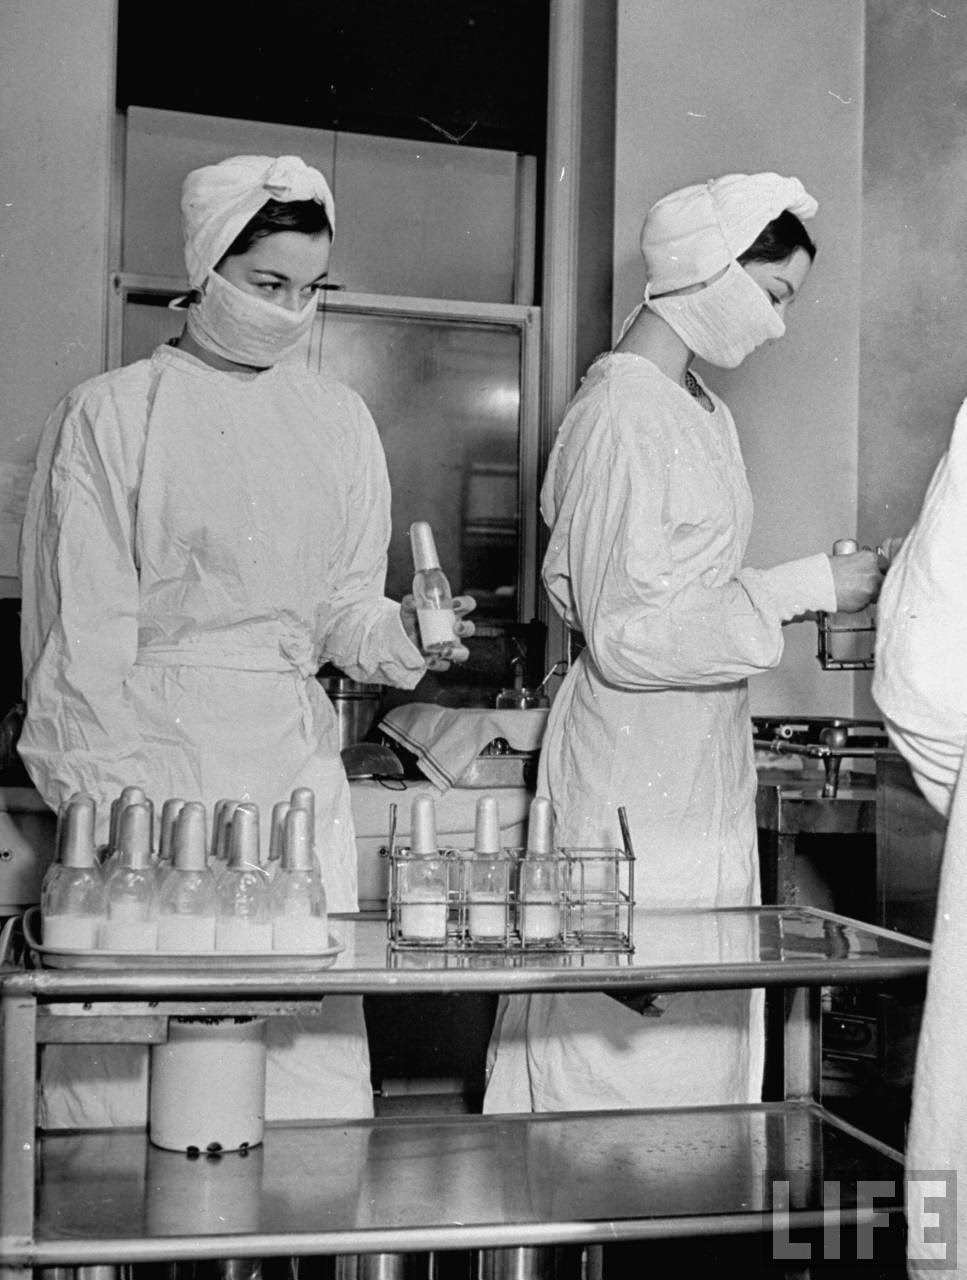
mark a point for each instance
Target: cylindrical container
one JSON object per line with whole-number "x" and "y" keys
{"x": 204, "y": 1197}
{"x": 354, "y": 703}
{"x": 207, "y": 1088}
{"x": 424, "y": 880}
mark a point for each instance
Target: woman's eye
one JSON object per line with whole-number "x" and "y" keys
{"x": 269, "y": 285}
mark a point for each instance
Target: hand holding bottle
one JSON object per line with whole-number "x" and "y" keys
{"x": 857, "y": 579}
{"x": 432, "y": 617}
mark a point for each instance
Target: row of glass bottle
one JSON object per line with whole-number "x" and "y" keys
{"x": 192, "y": 896}
{"x": 497, "y": 899}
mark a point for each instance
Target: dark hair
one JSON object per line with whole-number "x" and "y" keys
{"x": 307, "y": 216}
{"x": 778, "y": 239}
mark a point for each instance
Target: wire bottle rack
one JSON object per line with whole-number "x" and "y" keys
{"x": 565, "y": 900}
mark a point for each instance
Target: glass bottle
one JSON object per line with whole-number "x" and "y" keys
{"x": 72, "y": 893}
{"x": 423, "y": 879}
{"x": 540, "y": 879}
{"x": 131, "y": 921}
{"x": 488, "y": 915}
{"x": 186, "y": 901}
{"x": 431, "y": 591}
{"x": 244, "y": 924}
{"x": 298, "y": 899}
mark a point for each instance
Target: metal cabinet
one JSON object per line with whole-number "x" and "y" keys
{"x": 456, "y": 1182}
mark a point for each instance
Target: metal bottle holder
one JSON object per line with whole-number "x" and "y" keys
{"x": 431, "y": 904}
{"x": 844, "y": 644}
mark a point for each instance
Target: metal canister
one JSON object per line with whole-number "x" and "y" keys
{"x": 355, "y": 705}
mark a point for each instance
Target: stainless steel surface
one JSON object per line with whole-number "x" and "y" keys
{"x": 355, "y": 705}
{"x": 828, "y": 739}
{"x": 371, "y": 1266}
{"x": 458, "y": 1182}
{"x": 513, "y": 769}
{"x": 683, "y": 950}
{"x": 516, "y": 1264}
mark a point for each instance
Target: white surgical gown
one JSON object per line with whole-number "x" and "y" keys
{"x": 650, "y": 512}
{"x": 196, "y": 544}
{"x": 920, "y": 686}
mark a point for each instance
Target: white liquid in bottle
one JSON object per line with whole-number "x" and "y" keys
{"x": 189, "y": 935}
{"x": 128, "y": 935}
{"x": 71, "y": 932}
{"x": 431, "y": 591}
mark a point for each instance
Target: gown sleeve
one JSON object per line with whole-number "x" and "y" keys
{"x": 654, "y": 615}
{"x": 79, "y": 622}
{"x": 920, "y": 673}
{"x": 359, "y": 627}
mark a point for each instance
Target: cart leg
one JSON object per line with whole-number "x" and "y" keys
{"x": 18, "y": 1074}
{"x": 802, "y": 1044}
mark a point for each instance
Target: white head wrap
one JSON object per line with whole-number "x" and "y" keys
{"x": 692, "y": 234}
{"x": 219, "y": 199}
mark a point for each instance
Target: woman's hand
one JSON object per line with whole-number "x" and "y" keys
{"x": 452, "y": 652}
{"x": 857, "y": 579}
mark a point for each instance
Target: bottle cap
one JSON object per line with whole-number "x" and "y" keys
{"x": 540, "y": 826}
{"x": 423, "y": 546}
{"x": 277, "y": 830}
{"x": 77, "y": 847}
{"x": 188, "y": 837}
{"x": 221, "y": 819}
{"x": 423, "y": 825}
{"x": 134, "y": 835}
{"x": 487, "y": 831}
{"x": 297, "y": 854}
{"x": 243, "y": 839}
{"x": 845, "y": 547}
{"x": 169, "y": 813}
{"x": 305, "y": 798}
{"x": 128, "y": 795}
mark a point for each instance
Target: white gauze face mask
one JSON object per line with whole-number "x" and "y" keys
{"x": 725, "y": 321}
{"x": 242, "y": 327}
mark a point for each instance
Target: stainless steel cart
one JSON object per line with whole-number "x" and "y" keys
{"x": 459, "y": 1182}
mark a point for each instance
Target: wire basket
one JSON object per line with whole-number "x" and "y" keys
{"x": 570, "y": 900}
{"x": 846, "y": 641}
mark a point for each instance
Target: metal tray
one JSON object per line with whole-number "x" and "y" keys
{"x": 210, "y": 961}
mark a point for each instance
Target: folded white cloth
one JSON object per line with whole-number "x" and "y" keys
{"x": 446, "y": 740}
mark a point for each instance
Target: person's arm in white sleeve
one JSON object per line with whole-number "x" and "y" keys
{"x": 360, "y": 629}
{"x": 920, "y": 673}
{"x": 79, "y": 627}
{"x": 647, "y": 623}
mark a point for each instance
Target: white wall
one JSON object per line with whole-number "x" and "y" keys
{"x": 419, "y": 219}
{"x": 705, "y": 88}
{"x": 56, "y": 114}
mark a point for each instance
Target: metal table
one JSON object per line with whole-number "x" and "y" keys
{"x": 367, "y": 1187}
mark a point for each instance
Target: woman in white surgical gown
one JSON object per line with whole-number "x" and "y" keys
{"x": 206, "y": 527}
{"x": 920, "y": 685}
{"x": 649, "y": 510}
